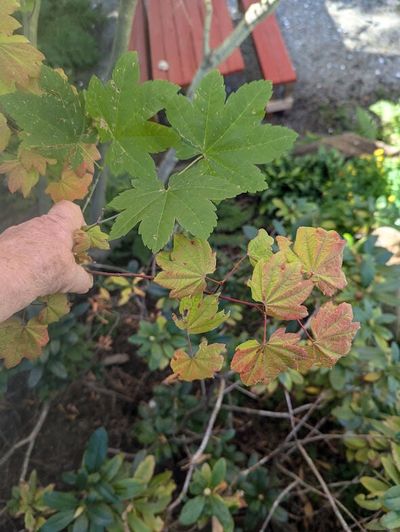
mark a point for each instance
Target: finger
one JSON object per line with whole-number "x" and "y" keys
{"x": 81, "y": 281}
{"x": 68, "y": 213}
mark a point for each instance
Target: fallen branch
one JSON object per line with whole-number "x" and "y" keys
{"x": 276, "y": 503}
{"x": 314, "y": 469}
{"x": 196, "y": 458}
{"x": 29, "y": 440}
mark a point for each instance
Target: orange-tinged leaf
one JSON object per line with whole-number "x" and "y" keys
{"x": 333, "y": 330}
{"x": 34, "y": 161}
{"x": 203, "y": 365}
{"x": 321, "y": 253}
{"x": 23, "y": 172}
{"x": 5, "y": 133}
{"x": 18, "y": 340}
{"x": 56, "y": 306}
{"x": 257, "y": 362}
{"x": 88, "y": 238}
{"x": 70, "y": 186}
{"x": 186, "y": 266}
{"x": 20, "y": 63}
{"x": 8, "y": 24}
{"x": 90, "y": 155}
{"x": 18, "y": 177}
{"x": 281, "y": 287}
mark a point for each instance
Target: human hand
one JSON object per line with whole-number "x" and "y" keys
{"x": 36, "y": 259}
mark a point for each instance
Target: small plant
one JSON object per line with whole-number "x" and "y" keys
{"x": 158, "y": 342}
{"x": 27, "y": 501}
{"x": 105, "y": 494}
{"x": 208, "y": 486}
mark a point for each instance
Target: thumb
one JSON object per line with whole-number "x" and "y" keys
{"x": 80, "y": 281}
{"x": 68, "y": 213}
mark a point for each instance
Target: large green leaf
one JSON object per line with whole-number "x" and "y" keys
{"x": 157, "y": 208}
{"x": 230, "y": 136}
{"x": 53, "y": 122}
{"x": 122, "y": 109}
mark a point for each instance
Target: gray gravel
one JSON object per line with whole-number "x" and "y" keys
{"x": 344, "y": 51}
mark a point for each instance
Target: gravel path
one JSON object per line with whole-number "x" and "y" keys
{"x": 345, "y": 52}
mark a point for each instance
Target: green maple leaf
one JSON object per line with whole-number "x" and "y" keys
{"x": 185, "y": 267}
{"x": 53, "y": 122}
{"x": 230, "y": 137}
{"x": 260, "y": 247}
{"x": 185, "y": 200}
{"x": 333, "y": 330}
{"x": 200, "y": 314}
{"x": 281, "y": 287}
{"x": 122, "y": 109}
{"x": 18, "y": 340}
{"x": 202, "y": 365}
{"x": 257, "y": 362}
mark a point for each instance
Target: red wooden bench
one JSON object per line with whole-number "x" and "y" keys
{"x": 274, "y": 59}
{"x": 168, "y": 35}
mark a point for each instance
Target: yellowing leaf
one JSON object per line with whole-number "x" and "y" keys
{"x": 333, "y": 330}
{"x": 70, "y": 187}
{"x": 18, "y": 177}
{"x": 186, "y": 266}
{"x": 281, "y": 287}
{"x": 20, "y": 63}
{"x": 199, "y": 314}
{"x": 56, "y": 306}
{"x": 8, "y": 24}
{"x": 24, "y": 171}
{"x": 18, "y": 340}
{"x": 256, "y": 362}
{"x": 97, "y": 238}
{"x": 5, "y": 133}
{"x": 202, "y": 365}
{"x": 260, "y": 247}
{"x": 321, "y": 254}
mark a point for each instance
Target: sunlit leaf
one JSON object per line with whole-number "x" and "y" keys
{"x": 8, "y": 24}
{"x": 202, "y": 365}
{"x": 185, "y": 267}
{"x": 229, "y": 135}
{"x": 260, "y": 247}
{"x": 54, "y": 122}
{"x": 122, "y": 108}
{"x": 5, "y": 133}
{"x": 156, "y": 209}
{"x": 256, "y": 362}
{"x": 56, "y": 306}
{"x": 200, "y": 314}
{"x": 333, "y": 330}
{"x": 281, "y": 287}
{"x": 18, "y": 340}
{"x": 321, "y": 254}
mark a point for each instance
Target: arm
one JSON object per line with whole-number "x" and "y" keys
{"x": 36, "y": 259}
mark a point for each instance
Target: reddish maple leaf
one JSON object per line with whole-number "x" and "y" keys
{"x": 333, "y": 330}
{"x": 257, "y": 362}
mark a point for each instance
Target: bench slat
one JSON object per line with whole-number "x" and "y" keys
{"x": 138, "y": 40}
{"x": 176, "y": 36}
{"x": 273, "y": 55}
